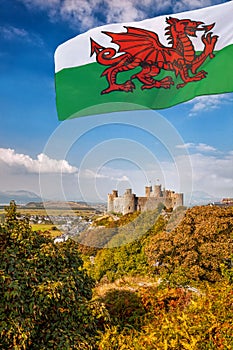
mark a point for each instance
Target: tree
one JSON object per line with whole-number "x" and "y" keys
{"x": 44, "y": 290}
{"x": 197, "y": 247}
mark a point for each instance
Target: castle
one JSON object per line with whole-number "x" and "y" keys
{"x": 129, "y": 202}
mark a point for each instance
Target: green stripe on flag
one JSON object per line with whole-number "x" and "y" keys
{"x": 80, "y": 87}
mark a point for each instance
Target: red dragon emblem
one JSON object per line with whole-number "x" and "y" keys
{"x": 142, "y": 48}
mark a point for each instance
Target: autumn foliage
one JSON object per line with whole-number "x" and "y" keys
{"x": 191, "y": 306}
{"x": 196, "y": 248}
{"x": 177, "y": 319}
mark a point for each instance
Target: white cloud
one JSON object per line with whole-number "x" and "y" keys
{"x": 106, "y": 173}
{"x": 185, "y": 145}
{"x": 128, "y": 10}
{"x": 14, "y": 33}
{"x": 91, "y": 174}
{"x": 41, "y": 4}
{"x": 85, "y": 14}
{"x": 201, "y": 147}
{"x": 123, "y": 178}
{"x": 42, "y": 164}
{"x": 10, "y": 32}
{"x": 79, "y": 12}
{"x": 123, "y": 11}
{"x": 212, "y": 174}
{"x": 186, "y": 5}
{"x": 208, "y": 103}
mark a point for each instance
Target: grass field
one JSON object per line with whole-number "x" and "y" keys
{"x": 53, "y": 212}
{"x": 52, "y": 230}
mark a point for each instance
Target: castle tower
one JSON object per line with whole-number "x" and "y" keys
{"x": 128, "y": 192}
{"x": 178, "y": 200}
{"x": 115, "y": 193}
{"x": 148, "y": 190}
{"x": 157, "y": 191}
{"x": 129, "y": 202}
{"x": 111, "y": 198}
{"x": 169, "y": 194}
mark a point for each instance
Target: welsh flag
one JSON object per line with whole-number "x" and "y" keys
{"x": 152, "y": 64}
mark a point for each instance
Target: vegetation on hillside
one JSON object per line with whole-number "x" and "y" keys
{"x": 190, "y": 305}
{"x": 158, "y": 318}
{"x": 125, "y": 259}
{"x": 154, "y": 284}
{"x": 115, "y": 233}
{"x": 196, "y": 248}
{"x": 44, "y": 291}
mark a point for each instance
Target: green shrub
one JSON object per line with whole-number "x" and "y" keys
{"x": 125, "y": 307}
{"x": 44, "y": 291}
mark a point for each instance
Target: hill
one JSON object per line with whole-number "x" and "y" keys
{"x": 69, "y": 205}
{"x": 20, "y": 197}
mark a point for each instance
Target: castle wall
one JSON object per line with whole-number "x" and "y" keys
{"x": 141, "y": 203}
{"x": 118, "y": 206}
{"x": 152, "y": 203}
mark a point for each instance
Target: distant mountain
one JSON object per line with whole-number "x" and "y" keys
{"x": 20, "y": 197}
{"x": 200, "y": 198}
{"x": 66, "y": 205}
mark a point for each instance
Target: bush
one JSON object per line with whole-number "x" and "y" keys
{"x": 44, "y": 291}
{"x": 125, "y": 307}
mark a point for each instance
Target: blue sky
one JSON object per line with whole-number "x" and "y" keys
{"x": 86, "y": 158}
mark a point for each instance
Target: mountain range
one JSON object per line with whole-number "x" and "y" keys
{"x": 200, "y": 198}
{"x": 20, "y": 197}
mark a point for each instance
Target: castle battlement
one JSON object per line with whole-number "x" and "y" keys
{"x": 129, "y": 202}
